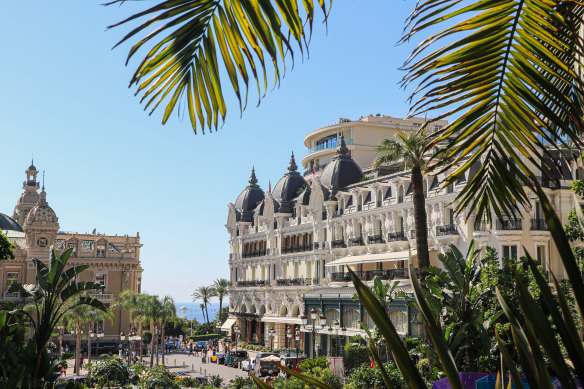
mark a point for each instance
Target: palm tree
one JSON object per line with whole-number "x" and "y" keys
{"x": 220, "y": 286}
{"x": 134, "y": 303}
{"x": 94, "y": 316}
{"x": 409, "y": 149}
{"x": 185, "y": 63}
{"x": 150, "y": 310}
{"x": 168, "y": 313}
{"x": 202, "y": 306}
{"x": 204, "y": 294}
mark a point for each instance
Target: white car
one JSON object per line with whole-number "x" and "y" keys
{"x": 248, "y": 364}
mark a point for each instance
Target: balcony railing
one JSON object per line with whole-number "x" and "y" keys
{"x": 396, "y": 236}
{"x": 412, "y": 234}
{"x": 369, "y": 275}
{"x": 339, "y": 243}
{"x": 291, "y": 281}
{"x": 252, "y": 283}
{"x": 539, "y": 225}
{"x": 356, "y": 241}
{"x": 481, "y": 225}
{"x": 102, "y": 296}
{"x": 448, "y": 229}
{"x": 378, "y": 203}
{"x": 298, "y": 248}
{"x": 372, "y": 239}
{"x": 509, "y": 225}
{"x": 254, "y": 253}
{"x": 400, "y": 199}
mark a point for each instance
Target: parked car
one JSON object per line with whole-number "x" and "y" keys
{"x": 172, "y": 344}
{"x": 237, "y": 356}
{"x": 265, "y": 364}
{"x": 179, "y": 375}
{"x": 202, "y": 344}
{"x": 248, "y": 364}
{"x": 218, "y": 359}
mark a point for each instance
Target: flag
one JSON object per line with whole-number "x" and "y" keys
{"x": 313, "y": 172}
{"x": 269, "y": 186}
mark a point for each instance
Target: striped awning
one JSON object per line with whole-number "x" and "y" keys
{"x": 372, "y": 258}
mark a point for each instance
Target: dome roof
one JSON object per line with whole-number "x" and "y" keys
{"x": 289, "y": 186}
{"x": 260, "y": 208}
{"x": 248, "y": 200}
{"x": 8, "y": 223}
{"x": 42, "y": 213}
{"x": 341, "y": 171}
{"x": 304, "y": 197}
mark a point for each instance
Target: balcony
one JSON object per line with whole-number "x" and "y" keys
{"x": 400, "y": 199}
{"x": 369, "y": 275}
{"x": 356, "y": 242}
{"x": 372, "y": 239}
{"x": 396, "y": 236}
{"x": 254, "y": 253}
{"x": 103, "y": 297}
{"x": 339, "y": 243}
{"x": 412, "y": 234}
{"x": 448, "y": 229}
{"x": 509, "y": 225}
{"x": 291, "y": 282}
{"x": 252, "y": 283}
{"x": 378, "y": 203}
{"x": 299, "y": 248}
{"x": 328, "y": 145}
{"x": 539, "y": 225}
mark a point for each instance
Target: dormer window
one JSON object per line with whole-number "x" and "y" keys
{"x": 74, "y": 247}
{"x": 101, "y": 250}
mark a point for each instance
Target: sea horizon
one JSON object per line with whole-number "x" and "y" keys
{"x": 194, "y": 310}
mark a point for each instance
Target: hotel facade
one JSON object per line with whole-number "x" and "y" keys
{"x": 289, "y": 248}
{"x": 114, "y": 261}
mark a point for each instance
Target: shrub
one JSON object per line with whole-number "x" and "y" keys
{"x": 108, "y": 372}
{"x": 243, "y": 383}
{"x": 196, "y": 338}
{"x": 146, "y": 337}
{"x": 158, "y": 378}
{"x": 311, "y": 364}
{"x": 190, "y": 382}
{"x": 355, "y": 356}
{"x": 216, "y": 381}
{"x": 364, "y": 377}
{"x": 324, "y": 375}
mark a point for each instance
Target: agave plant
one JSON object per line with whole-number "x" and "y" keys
{"x": 51, "y": 299}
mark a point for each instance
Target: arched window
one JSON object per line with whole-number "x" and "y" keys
{"x": 400, "y": 194}
{"x": 368, "y": 321}
{"x": 351, "y": 319}
{"x": 400, "y": 321}
{"x": 331, "y": 316}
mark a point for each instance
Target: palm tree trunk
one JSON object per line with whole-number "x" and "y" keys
{"x": 140, "y": 342}
{"x": 162, "y": 343}
{"x": 152, "y": 343}
{"x": 78, "y": 348}
{"x": 89, "y": 343}
{"x": 220, "y": 309}
{"x": 207, "y": 312}
{"x": 157, "y": 345}
{"x": 420, "y": 220}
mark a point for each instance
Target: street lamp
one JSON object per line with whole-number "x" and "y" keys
{"x": 297, "y": 338}
{"x": 344, "y": 331}
{"x": 90, "y": 337}
{"x": 61, "y": 329}
{"x": 236, "y": 330}
{"x": 122, "y": 338}
{"x": 337, "y": 325}
{"x": 289, "y": 336}
{"x": 99, "y": 335}
{"x": 313, "y": 316}
{"x": 271, "y": 334}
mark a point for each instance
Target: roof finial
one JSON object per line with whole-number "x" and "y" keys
{"x": 292, "y": 165}
{"x": 342, "y": 149}
{"x": 252, "y": 179}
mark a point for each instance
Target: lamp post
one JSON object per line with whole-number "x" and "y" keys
{"x": 313, "y": 316}
{"x": 61, "y": 329}
{"x": 90, "y": 337}
{"x": 337, "y": 325}
{"x": 122, "y": 339}
{"x": 297, "y": 339}
{"x": 236, "y": 330}
{"x": 289, "y": 336}
{"x": 271, "y": 334}
{"x": 99, "y": 335}
{"x": 344, "y": 331}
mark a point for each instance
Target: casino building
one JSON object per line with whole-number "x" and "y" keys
{"x": 114, "y": 261}
{"x": 289, "y": 249}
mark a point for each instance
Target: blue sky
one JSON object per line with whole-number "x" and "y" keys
{"x": 64, "y": 97}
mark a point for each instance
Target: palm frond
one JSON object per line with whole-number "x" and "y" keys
{"x": 186, "y": 41}
{"x": 512, "y": 73}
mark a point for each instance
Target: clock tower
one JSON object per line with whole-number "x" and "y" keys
{"x": 40, "y": 228}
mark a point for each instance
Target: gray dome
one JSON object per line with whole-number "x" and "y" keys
{"x": 8, "y": 223}
{"x": 260, "y": 208}
{"x": 248, "y": 200}
{"x": 289, "y": 186}
{"x": 342, "y": 171}
{"x": 304, "y": 197}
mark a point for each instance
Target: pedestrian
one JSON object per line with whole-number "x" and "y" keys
{"x": 190, "y": 349}
{"x": 81, "y": 361}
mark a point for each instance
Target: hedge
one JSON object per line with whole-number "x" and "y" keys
{"x": 196, "y": 338}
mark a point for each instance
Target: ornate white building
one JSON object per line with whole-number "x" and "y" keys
{"x": 289, "y": 248}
